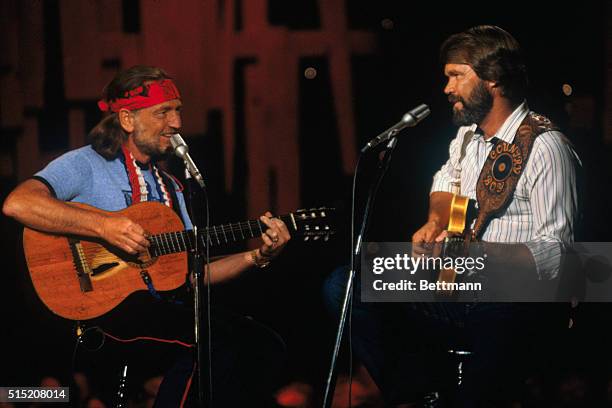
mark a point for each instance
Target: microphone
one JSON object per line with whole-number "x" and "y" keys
{"x": 410, "y": 119}
{"x": 182, "y": 151}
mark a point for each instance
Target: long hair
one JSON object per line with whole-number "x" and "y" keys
{"x": 107, "y": 136}
{"x": 493, "y": 54}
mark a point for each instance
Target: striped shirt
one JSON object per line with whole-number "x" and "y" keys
{"x": 545, "y": 203}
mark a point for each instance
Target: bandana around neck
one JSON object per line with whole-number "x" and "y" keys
{"x": 142, "y": 97}
{"x": 140, "y": 193}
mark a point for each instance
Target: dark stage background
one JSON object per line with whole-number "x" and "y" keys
{"x": 279, "y": 96}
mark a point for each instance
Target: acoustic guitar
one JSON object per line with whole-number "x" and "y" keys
{"x": 80, "y": 278}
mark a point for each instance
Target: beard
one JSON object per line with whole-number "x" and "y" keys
{"x": 475, "y": 108}
{"x": 151, "y": 147}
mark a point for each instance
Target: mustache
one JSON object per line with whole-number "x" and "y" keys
{"x": 455, "y": 98}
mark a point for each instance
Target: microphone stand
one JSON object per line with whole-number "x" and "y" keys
{"x": 383, "y": 165}
{"x": 196, "y": 267}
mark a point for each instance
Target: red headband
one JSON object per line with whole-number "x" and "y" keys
{"x": 143, "y": 97}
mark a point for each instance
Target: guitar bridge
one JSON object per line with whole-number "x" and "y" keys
{"x": 81, "y": 266}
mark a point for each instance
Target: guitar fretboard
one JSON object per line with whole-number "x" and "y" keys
{"x": 179, "y": 241}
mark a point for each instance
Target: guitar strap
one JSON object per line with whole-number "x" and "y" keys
{"x": 467, "y": 137}
{"x": 503, "y": 168}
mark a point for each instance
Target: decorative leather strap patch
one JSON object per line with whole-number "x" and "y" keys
{"x": 503, "y": 168}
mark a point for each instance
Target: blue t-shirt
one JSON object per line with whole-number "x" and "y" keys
{"x": 83, "y": 176}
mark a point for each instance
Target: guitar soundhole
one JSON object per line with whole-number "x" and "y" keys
{"x": 103, "y": 268}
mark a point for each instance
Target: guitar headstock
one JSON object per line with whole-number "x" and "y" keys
{"x": 313, "y": 224}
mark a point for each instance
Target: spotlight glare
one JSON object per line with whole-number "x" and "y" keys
{"x": 567, "y": 89}
{"x": 310, "y": 73}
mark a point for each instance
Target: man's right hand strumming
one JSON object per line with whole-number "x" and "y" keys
{"x": 32, "y": 204}
{"x": 434, "y": 230}
{"x": 124, "y": 233}
{"x": 428, "y": 233}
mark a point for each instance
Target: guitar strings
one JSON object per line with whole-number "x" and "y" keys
{"x": 250, "y": 226}
{"x": 178, "y": 241}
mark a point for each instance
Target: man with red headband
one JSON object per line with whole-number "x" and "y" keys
{"x": 118, "y": 169}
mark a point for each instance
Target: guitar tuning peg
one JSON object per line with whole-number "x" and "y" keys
{"x": 316, "y": 238}
{"x": 306, "y": 238}
{"x": 326, "y": 238}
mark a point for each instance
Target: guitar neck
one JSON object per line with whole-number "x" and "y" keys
{"x": 219, "y": 235}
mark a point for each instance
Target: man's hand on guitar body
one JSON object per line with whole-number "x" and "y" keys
{"x": 434, "y": 230}
{"x": 429, "y": 233}
{"x": 423, "y": 240}
{"x": 123, "y": 233}
{"x": 33, "y": 204}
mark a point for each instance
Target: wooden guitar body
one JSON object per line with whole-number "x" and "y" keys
{"x": 79, "y": 278}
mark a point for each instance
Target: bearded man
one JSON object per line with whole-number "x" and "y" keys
{"x": 403, "y": 345}
{"x": 120, "y": 168}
